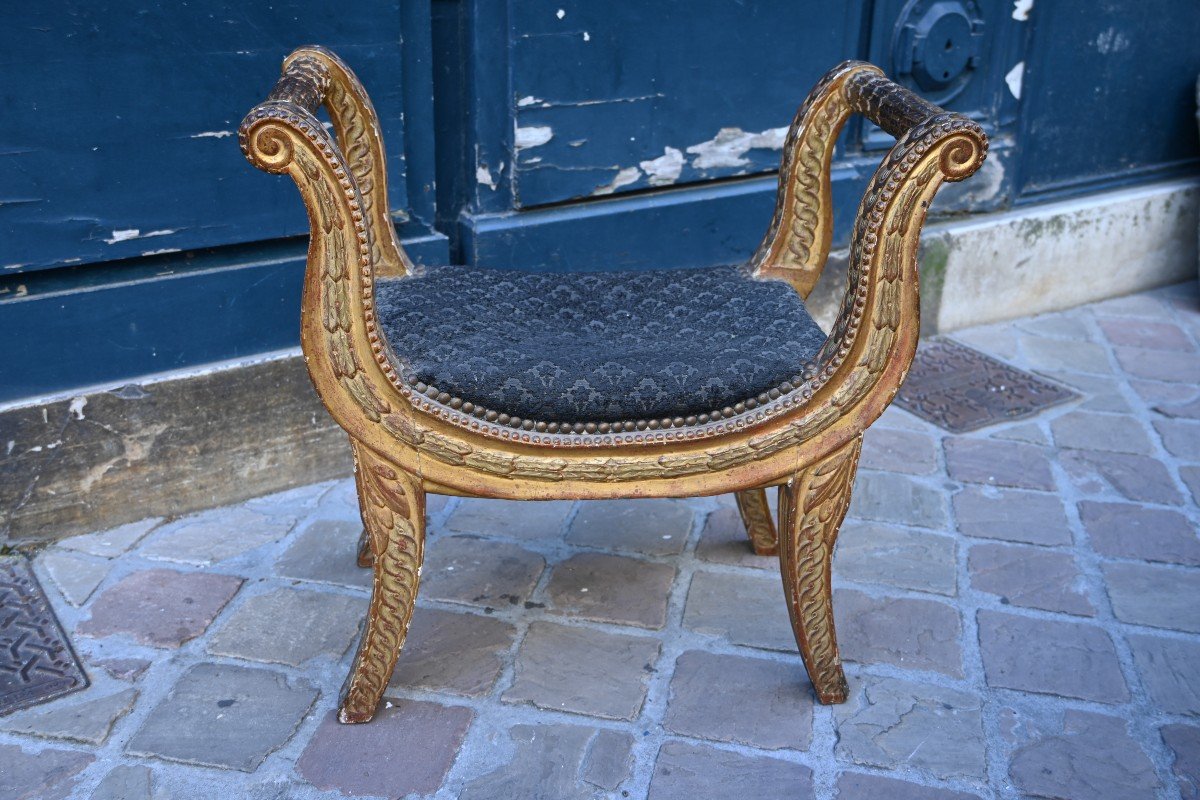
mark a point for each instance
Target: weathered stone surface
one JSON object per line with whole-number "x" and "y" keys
{"x": 1134, "y": 477}
{"x": 1056, "y": 354}
{"x": 913, "y": 634}
{"x": 874, "y": 553}
{"x": 888, "y": 497}
{"x": 123, "y": 669}
{"x": 1181, "y": 437}
{"x": 1191, "y": 477}
{"x": 899, "y": 451}
{"x": 480, "y": 572}
{"x": 1086, "y": 430}
{"x": 225, "y": 716}
{"x": 88, "y": 720}
{"x": 746, "y": 609}
{"x": 859, "y": 786}
{"x": 1030, "y": 577}
{"x": 112, "y": 542}
{"x": 768, "y": 704}
{"x": 1160, "y": 365}
{"x": 1184, "y": 741}
{"x": 1094, "y": 758}
{"x": 125, "y": 782}
{"x": 1170, "y": 671}
{"x": 160, "y": 607}
{"x": 586, "y": 671}
{"x": 893, "y": 723}
{"x": 326, "y": 551}
{"x": 48, "y": 774}
{"x": 1070, "y": 659}
{"x": 75, "y": 576}
{"x": 176, "y": 445}
{"x": 290, "y": 626}
{"x": 1100, "y": 393}
{"x": 1027, "y": 432}
{"x": 724, "y": 541}
{"x": 997, "y": 463}
{"x": 1161, "y": 597}
{"x": 1011, "y": 515}
{"x": 459, "y": 653}
{"x": 1059, "y": 325}
{"x": 687, "y": 772}
{"x": 653, "y": 527}
{"x": 216, "y": 535}
{"x": 565, "y": 762}
{"x": 1145, "y": 334}
{"x": 405, "y": 749}
{"x": 614, "y": 589}
{"x": 1125, "y": 530}
{"x": 516, "y": 519}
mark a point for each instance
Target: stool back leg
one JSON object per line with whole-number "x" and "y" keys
{"x": 393, "y": 510}
{"x": 756, "y": 515}
{"x": 811, "y": 508}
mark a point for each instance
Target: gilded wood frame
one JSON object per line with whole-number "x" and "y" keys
{"x": 804, "y": 436}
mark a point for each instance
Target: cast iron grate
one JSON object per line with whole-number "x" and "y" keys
{"x": 961, "y": 389}
{"x": 36, "y": 660}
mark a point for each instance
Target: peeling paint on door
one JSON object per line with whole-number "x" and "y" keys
{"x": 664, "y": 170}
{"x": 730, "y": 144}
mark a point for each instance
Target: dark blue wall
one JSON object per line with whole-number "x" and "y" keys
{"x": 135, "y": 238}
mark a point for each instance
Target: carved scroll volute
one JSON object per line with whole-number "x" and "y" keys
{"x": 337, "y": 328}
{"x": 357, "y": 129}
{"x": 797, "y": 243}
{"x": 873, "y": 341}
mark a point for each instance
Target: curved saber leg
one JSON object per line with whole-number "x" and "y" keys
{"x": 756, "y": 515}
{"x": 366, "y": 558}
{"x": 393, "y": 510}
{"x": 811, "y": 508}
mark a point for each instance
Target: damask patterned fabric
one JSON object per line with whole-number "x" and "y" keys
{"x": 598, "y": 346}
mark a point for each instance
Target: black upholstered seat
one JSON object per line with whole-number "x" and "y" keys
{"x": 599, "y": 346}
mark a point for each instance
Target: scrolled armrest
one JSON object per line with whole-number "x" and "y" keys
{"x": 889, "y": 105}
{"x": 304, "y": 83}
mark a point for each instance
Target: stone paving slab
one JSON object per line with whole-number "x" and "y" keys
{"x": 1017, "y": 611}
{"x": 224, "y": 716}
{"x": 408, "y": 748}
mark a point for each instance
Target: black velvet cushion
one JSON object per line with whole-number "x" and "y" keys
{"x": 598, "y": 346}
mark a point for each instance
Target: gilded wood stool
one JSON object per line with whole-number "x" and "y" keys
{"x": 533, "y": 386}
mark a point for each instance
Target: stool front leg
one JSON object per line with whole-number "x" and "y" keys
{"x": 756, "y": 516}
{"x": 811, "y": 508}
{"x": 393, "y": 511}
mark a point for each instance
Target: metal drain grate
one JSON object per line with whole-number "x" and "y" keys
{"x": 961, "y": 389}
{"x": 36, "y": 660}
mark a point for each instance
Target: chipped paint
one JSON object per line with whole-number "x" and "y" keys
{"x": 134, "y": 233}
{"x": 623, "y": 178}
{"x": 664, "y": 170}
{"x": 122, "y": 235}
{"x": 560, "y": 13}
{"x": 1112, "y": 41}
{"x": 211, "y": 134}
{"x": 1014, "y": 77}
{"x": 484, "y": 177}
{"x": 1021, "y": 9}
{"x": 532, "y": 136}
{"x": 75, "y": 409}
{"x": 528, "y": 100}
{"x": 730, "y": 144}
{"x": 587, "y": 37}
{"x": 160, "y": 252}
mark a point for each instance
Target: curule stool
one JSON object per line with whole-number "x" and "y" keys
{"x": 664, "y": 383}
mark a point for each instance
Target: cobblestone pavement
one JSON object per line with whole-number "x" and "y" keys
{"x": 1019, "y": 609}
